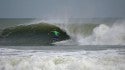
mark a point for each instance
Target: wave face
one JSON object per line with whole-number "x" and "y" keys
{"x": 33, "y": 34}
{"x": 95, "y": 34}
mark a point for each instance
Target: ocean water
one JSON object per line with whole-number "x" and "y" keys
{"x": 84, "y": 45}
{"x": 62, "y": 58}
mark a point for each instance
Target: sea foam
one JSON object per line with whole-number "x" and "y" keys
{"x": 56, "y": 60}
{"x": 95, "y": 34}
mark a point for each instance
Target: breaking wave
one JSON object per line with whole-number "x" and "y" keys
{"x": 95, "y": 34}
{"x": 92, "y": 33}
{"x": 33, "y": 34}
{"x": 12, "y": 59}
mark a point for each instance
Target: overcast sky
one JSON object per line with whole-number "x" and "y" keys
{"x": 62, "y": 8}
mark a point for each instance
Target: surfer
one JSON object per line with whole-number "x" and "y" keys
{"x": 55, "y": 35}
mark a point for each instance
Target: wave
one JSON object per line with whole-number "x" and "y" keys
{"x": 86, "y": 33}
{"x": 33, "y": 34}
{"x": 94, "y": 34}
{"x": 12, "y": 59}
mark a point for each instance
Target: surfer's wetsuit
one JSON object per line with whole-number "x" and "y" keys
{"x": 56, "y": 35}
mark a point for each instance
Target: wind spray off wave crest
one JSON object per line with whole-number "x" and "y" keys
{"x": 95, "y": 34}
{"x": 109, "y": 35}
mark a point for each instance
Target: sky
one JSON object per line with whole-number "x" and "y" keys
{"x": 62, "y": 8}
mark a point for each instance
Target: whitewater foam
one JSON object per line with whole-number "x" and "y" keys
{"x": 56, "y": 60}
{"x": 95, "y": 34}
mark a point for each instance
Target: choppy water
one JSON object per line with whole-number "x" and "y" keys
{"x": 62, "y": 58}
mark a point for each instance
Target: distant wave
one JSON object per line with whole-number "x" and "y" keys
{"x": 33, "y": 34}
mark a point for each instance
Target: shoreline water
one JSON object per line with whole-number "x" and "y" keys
{"x": 57, "y": 58}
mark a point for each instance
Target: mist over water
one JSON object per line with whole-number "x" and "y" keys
{"x": 96, "y": 33}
